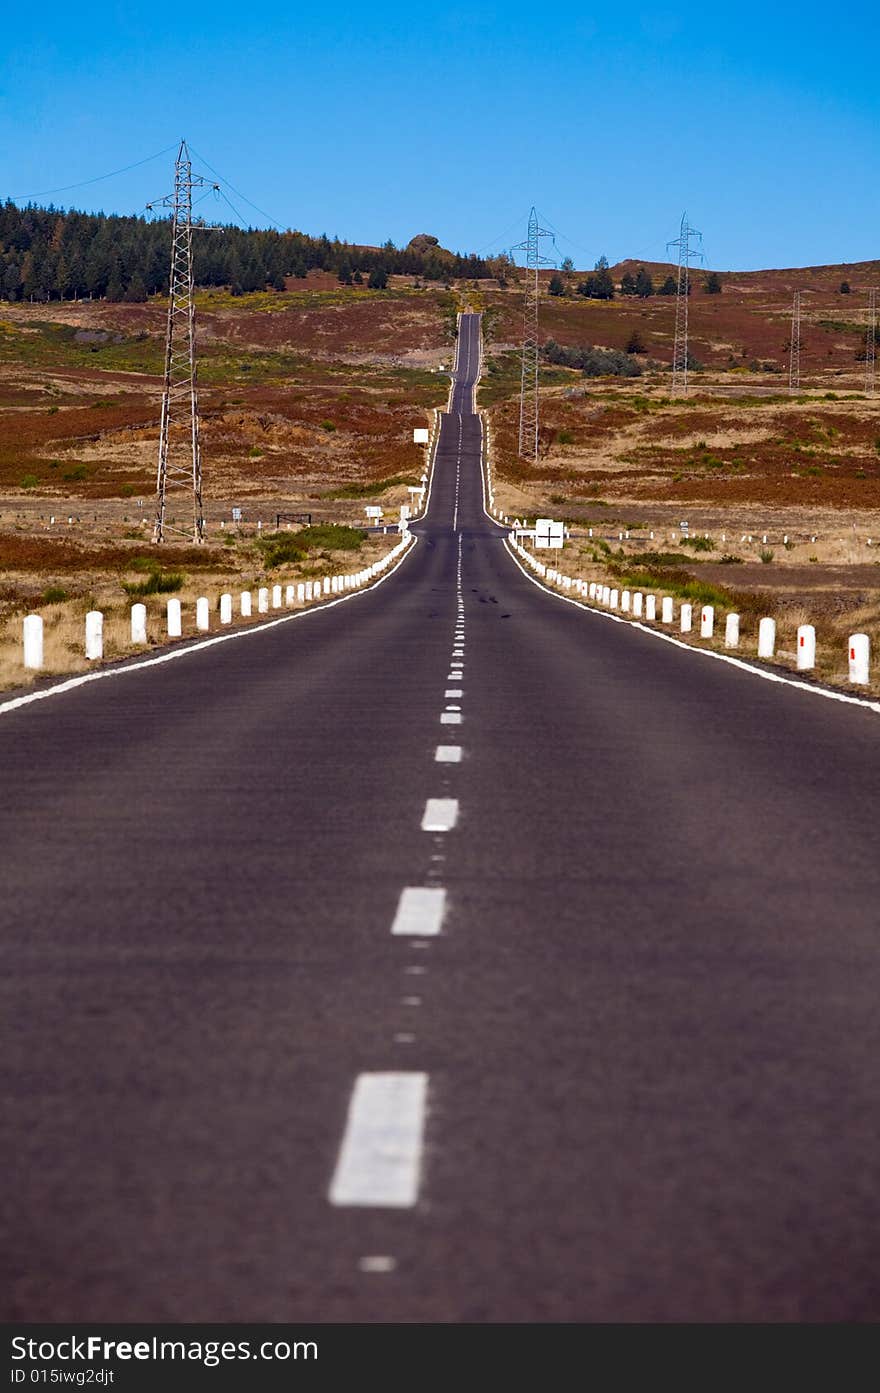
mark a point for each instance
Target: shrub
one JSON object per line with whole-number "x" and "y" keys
{"x": 30, "y": 481}
{"x": 698, "y": 543}
{"x": 766, "y": 556}
{"x": 593, "y": 362}
{"x": 74, "y": 475}
{"x": 54, "y": 595}
{"x": 158, "y": 582}
{"x": 327, "y": 426}
{"x": 286, "y": 547}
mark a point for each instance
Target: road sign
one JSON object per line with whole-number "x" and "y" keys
{"x": 421, "y": 436}
{"x": 236, "y": 515}
{"x": 549, "y": 533}
{"x": 373, "y": 512}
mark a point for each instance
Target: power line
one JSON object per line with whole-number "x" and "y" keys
{"x": 262, "y": 212}
{"x": 66, "y": 188}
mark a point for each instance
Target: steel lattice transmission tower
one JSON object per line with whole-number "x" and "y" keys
{"x": 871, "y": 345}
{"x": 528, "y": 396}
{"x": 794, "y": 357}
{"x": 180, "y": 462}
{"x": 686, "y": 251}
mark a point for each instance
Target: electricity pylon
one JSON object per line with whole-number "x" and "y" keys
{"x": 794, "y": 357}
{"x": 528, "y": 396}
{"x": 180, "y": 461}
{"x": 680, "y": 361}
{"x": 871, "y": 345}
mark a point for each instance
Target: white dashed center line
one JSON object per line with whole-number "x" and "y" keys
{"x": 441, "y": 815}
{"x": 450, "y": 718}
{"x": 448, "y": 754}
{"x": 420, "y": 911}
{"x": 380, "y": 1160}
{"x": 453, "y": 692}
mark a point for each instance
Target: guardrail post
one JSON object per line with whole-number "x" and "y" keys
{"x": 859, "y": 658}
{"x": 766, "y": 638}
{"x": 138, "y": 623}
{"x": 94, "y": 635}
{"x": 32, "y": 638}
{"x": 806, "y": 647}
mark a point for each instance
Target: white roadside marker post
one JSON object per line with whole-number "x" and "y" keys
{"x": 225, "y": 609}
{"x": 263, "y": 600}
{"x": 245, "y": 604}
{"x": 731, "y": 631}
{"x": 289, "y": 594}
{"x": 707, "y": 621}
{"x": 638, "y": 599}
{"x": 32, "y": 639}
{"x": 666, "y": 610}
{"x": 276, "y": 596}
{"x": 138, "y": 623}
{"x": 174, "y": 622}
{"x": 625, "y": 600}
{"x": 859, "y": 658}
{"x": 766, "y": 638}
{"x": 94, "y": 635}
{"x": 203, "y": 618}
{"x": 612, "y": 599}
{"x": 806, "y": 647}
{"x": 650, "y": 606}
{"x": 687, "y": 618}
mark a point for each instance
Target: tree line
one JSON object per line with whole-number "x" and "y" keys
{"x": 599, "y": 285}
{"x": 52, "y": 254}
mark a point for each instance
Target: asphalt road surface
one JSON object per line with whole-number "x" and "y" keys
{"x": 633, "y": 1077}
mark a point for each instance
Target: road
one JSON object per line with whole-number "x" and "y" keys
{"x": 633, "y": 1078}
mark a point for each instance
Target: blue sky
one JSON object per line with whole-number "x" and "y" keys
{"x": 383, "y": 121}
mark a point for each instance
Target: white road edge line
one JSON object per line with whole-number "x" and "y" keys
{"x": 420, "y": 911}
{"x": 380, "y": 1159}
{"x": 692, "y": 648}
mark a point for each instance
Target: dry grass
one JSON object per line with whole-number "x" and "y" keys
{"x": 64, "y": 623}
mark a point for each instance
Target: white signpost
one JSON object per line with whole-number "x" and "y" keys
{"x": 421, "y": 435}
{"x": 549, "y": 533}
